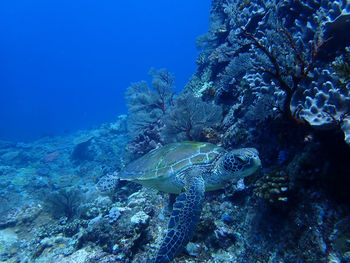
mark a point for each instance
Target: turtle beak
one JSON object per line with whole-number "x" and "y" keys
{"x": 253, "y": 154}
{"x": 257, "y": 161}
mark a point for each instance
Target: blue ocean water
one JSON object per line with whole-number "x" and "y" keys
{"x": 65, "y": 65}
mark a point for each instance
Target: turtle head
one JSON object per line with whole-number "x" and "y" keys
{"x": 241, "y": 162}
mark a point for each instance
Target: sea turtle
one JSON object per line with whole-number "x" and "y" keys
{"x": 188, "y": 169}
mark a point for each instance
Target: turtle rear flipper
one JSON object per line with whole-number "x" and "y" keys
{"x": 184, "y": 218}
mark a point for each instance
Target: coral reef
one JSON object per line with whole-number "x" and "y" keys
{"x": 268, "y": 59}
{"x": 245, "y": 223}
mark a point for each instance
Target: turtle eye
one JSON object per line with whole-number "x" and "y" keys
{"x": 241, "y": 158}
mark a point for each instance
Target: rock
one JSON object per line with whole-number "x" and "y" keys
{"x": 6, "y": 144}
{"x": 140, "y": 218}
{"x": 81, "y": 150}
{"x": 114, "y": 214}
{"x": 227, "y": 219}
{"x": 10, "y": 156}
{"x": 119, "y": 126}
{"x": 346, "y": 256}
{"x": 192, "y": 249}
{"x": 8, "y": 241}
{"x": 103, "y": 201}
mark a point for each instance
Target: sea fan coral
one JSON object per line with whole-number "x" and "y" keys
{"x": 147, "y": 107}
{"x": 189, "y": 116}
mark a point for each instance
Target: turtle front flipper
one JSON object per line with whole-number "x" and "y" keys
{"x": 184, "y": 218}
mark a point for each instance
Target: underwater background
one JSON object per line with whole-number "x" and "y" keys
{"x": 66, "y": 65}
{"x": 93, "y": 93}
